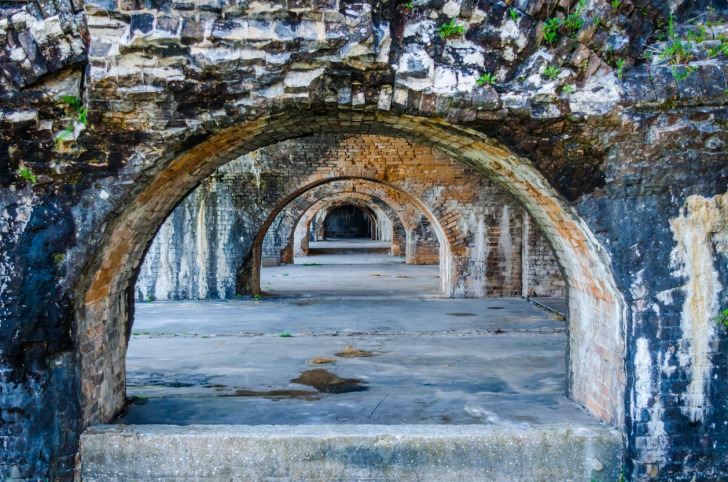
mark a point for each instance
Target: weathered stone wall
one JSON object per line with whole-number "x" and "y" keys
{"x": 626, "y": 177}
{"x": 194, "y": 253}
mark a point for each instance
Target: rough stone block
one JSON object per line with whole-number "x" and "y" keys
{"x": 637, "y": 85}
{"x": 142, "y": 23}
{"x": 688, "y": 83}
{"x": 711, "y": 80}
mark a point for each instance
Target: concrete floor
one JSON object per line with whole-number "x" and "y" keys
{"x": 335, "y": 280}
{"x": 434, "y": 360}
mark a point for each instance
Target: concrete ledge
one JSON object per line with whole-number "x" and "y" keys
{"x": 349, "y": 452}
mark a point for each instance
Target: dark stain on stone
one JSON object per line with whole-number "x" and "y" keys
{"x": 326, "y": 382}
{"x": 495, "y": 307}
{"x": 461, "y": 314}
{"x": 157, "y": 379}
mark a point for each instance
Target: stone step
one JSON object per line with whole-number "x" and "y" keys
{"x": 350, "y": 452}
{"x": 348, "y": 250}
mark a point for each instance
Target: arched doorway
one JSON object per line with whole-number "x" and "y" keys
{"x": 596, "y": 374}
{"x": 348, "y": 221}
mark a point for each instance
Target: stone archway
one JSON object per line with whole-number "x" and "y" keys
{"x": 596, "y": 317}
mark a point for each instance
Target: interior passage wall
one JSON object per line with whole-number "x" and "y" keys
{"x": 192, "y": 253}
{"x": 275, "y": 243}
{"x": 541, "y": 274}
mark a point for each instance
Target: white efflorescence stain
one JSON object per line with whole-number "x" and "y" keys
{"x": 643, "y": 399}
{"x": 701, "y": 233}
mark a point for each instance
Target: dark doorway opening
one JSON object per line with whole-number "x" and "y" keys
{"x": 347, "y": 222}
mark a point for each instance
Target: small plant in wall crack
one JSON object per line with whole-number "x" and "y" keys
{"x": 551, "y": 30}
{"x": 486, "y": 78}
{"x": 678, "y": 50}
{"x": 451, "y": 29}
{"x": 554, "y": 27}
{"x": 27, "y": 175}
{"x": 78, "y": 112}
{"x": 567, "y": 89}
{"x": 681, "y": 75}
{"x": 513, "y": 13}
{"x": 620, "y": 63}
{"x": 551, "y": 72}
{"x": 58, "y": 259}
{"x": 722, "y": 318}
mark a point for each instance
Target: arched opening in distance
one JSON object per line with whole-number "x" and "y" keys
{"x": 400, "y": 233}
{"x": 426, "y": 241}
{"x": 387, "y": 228}
{"x": 595, "y": 310}
{"x": 348, "y": 221}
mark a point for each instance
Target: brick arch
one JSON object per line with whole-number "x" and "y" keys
{"x": 379, "y": 209}
{"x": 596, "y": 376}
{"x": 368, "y": 211}
{"x": 249, "y": 273}
{"x": 282, "y": 226}
{"x": 302, "y": 222}
{"x": 408, "y": 219}
{"x": 357, "y": 192}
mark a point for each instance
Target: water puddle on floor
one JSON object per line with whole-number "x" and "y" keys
{"x": 326, "y": 382}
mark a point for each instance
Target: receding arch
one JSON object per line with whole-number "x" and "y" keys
{"x": 406, "y": 219}
{"x": 356, "y": 192}
{"x": 302, "y": 222}
{"x": 596, "y": 375}
{"x": 333, "y": 228}
{"x": 249, "y": 273}
{"x": 280, "y": 236}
